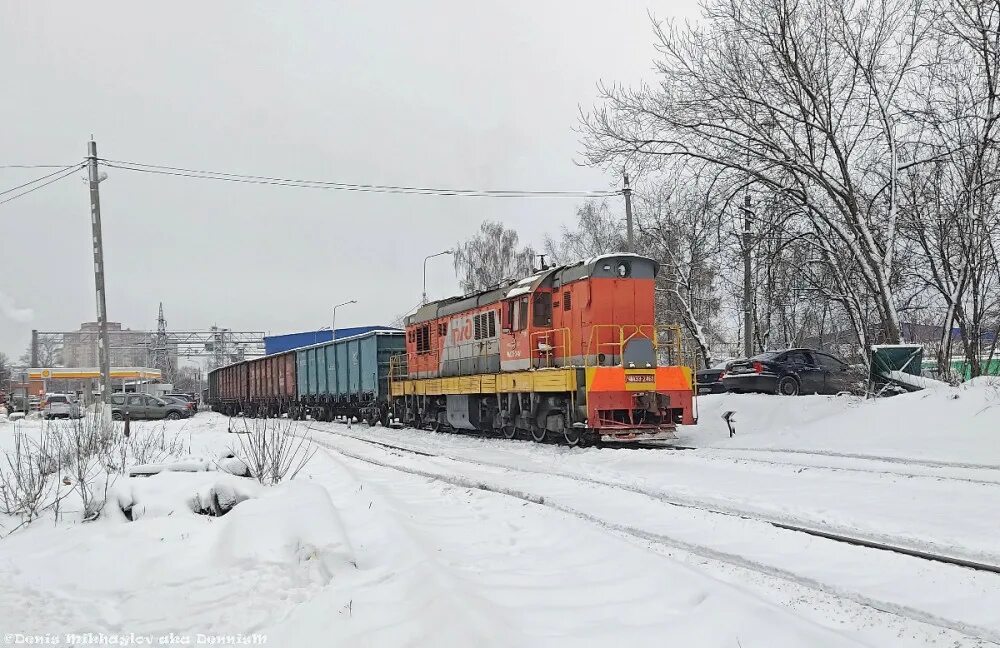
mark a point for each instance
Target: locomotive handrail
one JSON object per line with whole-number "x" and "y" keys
{"x": 550, "y": 354}
{"x": 636, "y": 331}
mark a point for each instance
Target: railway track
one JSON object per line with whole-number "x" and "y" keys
{"x": 703, "y": 551}
{"x": 629, "y": 446}
{"x": 789, "y": 523}
{"x": 719, "y": 454}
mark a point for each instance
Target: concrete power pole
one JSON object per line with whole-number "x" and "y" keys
{"x": 627, "y": 192}
{"x": 103, "y": 346}
{"x": 747, "y": 279}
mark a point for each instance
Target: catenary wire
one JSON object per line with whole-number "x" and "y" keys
{"x": 68, "y": 173}
{"x": 343, "y": 186}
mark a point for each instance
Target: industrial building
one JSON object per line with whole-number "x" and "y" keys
{"x": 288, "y": 341}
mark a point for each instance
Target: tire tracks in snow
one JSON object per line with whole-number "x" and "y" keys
{"x": 636, "y": 533}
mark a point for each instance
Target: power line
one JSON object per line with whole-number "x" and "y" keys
{"x": 31, "y": 182}
{"x": 68, "y": 173}
{"x": 344, "y": 186}
{"x": 33, "y": 166}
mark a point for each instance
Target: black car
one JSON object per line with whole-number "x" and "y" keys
{"x": 790, "y": 372}
{"x": 187, "y": 397}
{"x": 710, "y": 380}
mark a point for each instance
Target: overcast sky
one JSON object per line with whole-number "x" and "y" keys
{"x": 433, "y": 93}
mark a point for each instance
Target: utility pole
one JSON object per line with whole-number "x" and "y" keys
{"x": 627, "y": 192}
{"x": 747, "y": 279}
{"x": 34, "y": 348}
{"x": 103, "y": 346}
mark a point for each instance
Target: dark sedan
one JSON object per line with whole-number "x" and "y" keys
{"x": 710, "y": 380}
{"x": 790, "y": 372}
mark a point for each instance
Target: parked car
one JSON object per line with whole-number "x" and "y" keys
{"x": 61, "y": 406}
{"x": 144, "y": 406}
{"x": 180, "y": 400}
{"x": 790, "y": 372}
{"x": 709, "y": 381}
{"x": 187, "y": 397}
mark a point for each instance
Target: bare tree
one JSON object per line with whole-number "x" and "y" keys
{"x": 679, "y": 226}
{"x": 950, "y": 210}
{"x": 597, "y": 231}
{"x": 490, "y": 257}
{"x": 49, "y": 353}
{"x": 802, "y": 99}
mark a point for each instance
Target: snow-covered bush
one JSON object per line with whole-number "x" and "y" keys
{"x": 142, "y": 446}
{"x": 271, "y": 450}
{"x": 28, "y": 480}
{"x": 76, "y": 461}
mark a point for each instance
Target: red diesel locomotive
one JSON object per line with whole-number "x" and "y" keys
{"x": 568, "y": 353}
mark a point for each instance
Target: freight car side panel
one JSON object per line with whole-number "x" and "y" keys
{"x": 289, "y": 371}
{"x": 354, "y": 364}
{"x": 331, "y": 370}
{"x": 343, "y": 369}
{"x": 388, "y": 346}
{"x": 322, "y": 379}
{"x": 368, "y": 365}
{"x": 301, "y": 373}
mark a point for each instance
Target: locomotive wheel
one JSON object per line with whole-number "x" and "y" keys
{"x": 572, "y": 435}
{"x": 434, "y": 425}
{"x": 538, "y": 434}
{"x": 509, "y": 431}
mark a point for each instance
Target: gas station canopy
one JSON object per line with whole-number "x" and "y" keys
{"x": 84, "y": 373}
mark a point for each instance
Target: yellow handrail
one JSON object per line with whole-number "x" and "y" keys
{"x": 550, "y": 355}
{"x": 643, "y": 331}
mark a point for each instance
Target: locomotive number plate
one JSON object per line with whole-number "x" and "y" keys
{"x": 640, "y": 378}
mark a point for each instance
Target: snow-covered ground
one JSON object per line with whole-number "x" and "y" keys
{"x": 407, "y": 538}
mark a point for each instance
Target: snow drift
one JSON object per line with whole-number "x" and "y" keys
{"x": 958, "y": 425}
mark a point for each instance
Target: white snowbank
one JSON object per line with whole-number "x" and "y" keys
{"x": 172, "y": 571}
{"x": 291, "y": 523}
{"x": 180, "y": 493}
{"x": 950, "y": 424}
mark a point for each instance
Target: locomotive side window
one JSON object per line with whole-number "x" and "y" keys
{"x": 443, "y": 329}
{"x": 522, "y": 315}
{"x": 543, "y": 309}
{"x": 424, "y": 339}
{"x": 518, "y": 314}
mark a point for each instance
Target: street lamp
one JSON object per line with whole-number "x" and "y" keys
{"x": 424, "y": 301}
{"x": 333, "y": 324}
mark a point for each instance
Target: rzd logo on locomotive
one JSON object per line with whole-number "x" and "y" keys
{"x": 461, "y": 330}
